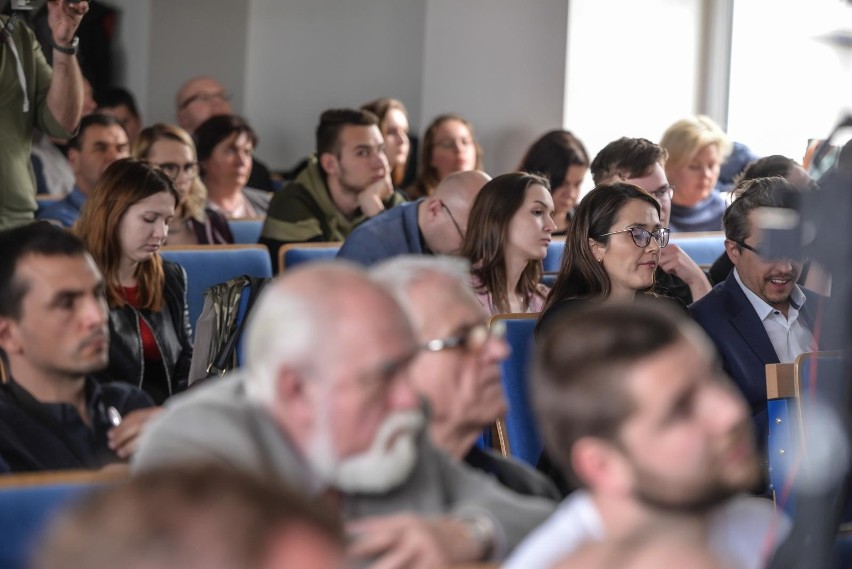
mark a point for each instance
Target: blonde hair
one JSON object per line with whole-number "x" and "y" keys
{"x": 686, "y": 137}
{"x": 191, "y": 205}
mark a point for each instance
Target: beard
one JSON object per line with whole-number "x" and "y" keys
{"x": 384, "y": 466}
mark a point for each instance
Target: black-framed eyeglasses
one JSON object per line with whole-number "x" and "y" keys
{"x": 642, "y": 237}
{"x": 223, "y": 96}
{"x": 663, "y": 192}
{"x": 758, "y": 252}
{"x": 173, "y": 170}
{"x": 453, "y": 219}
{"x": 472, "y": 338}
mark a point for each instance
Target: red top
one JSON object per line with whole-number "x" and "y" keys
{"x": 150, "y": 351}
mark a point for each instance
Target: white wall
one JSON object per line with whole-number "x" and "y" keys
{"x": 132, "y": 58}
{"x": 501, "y": 65}
{"x": 305, "y": 56}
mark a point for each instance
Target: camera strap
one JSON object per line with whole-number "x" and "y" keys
{"x": 19, "y": 67}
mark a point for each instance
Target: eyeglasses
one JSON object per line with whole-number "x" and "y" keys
{"x": 664, "y": 192}
{"x": 222, "y": 96}
{"x": 642, "y": 237}
{"x": 471, "y": 339}
{"x": 453, "y": 219}
{"x": 172, "y": 170}
{"x": 759, "y": 253}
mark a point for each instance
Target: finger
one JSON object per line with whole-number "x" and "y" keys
{"x": 401, "y": 557}
{"x": 370, "y": 544}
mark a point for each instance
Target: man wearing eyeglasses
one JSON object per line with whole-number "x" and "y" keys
{"x": 100, "y": 142}
{"x": 203, "y": 97}
{"x": 325, "y": 403}
{"x": 458, "y": 367}
{"x": 434, "y": 225}
{"x": 640, "y": 162}
{"x": 758, "y": 315}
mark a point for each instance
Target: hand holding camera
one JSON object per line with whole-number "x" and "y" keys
{"x": 63, "y": 17}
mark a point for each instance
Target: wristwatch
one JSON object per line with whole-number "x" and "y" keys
{"x": 482, "y": 531}
{"x": 75, "y": 44}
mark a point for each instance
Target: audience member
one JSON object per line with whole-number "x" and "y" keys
{"x": 458, "y": 368}
{"x": 53, "y": 173}
{"x": 612, "y": 250}
{"x": 560, "y": 157}
{"x": 203, "y": 97}
{"x": 393, "y": 122}
{"x": 34, "y": 95}
{"x": 642, "y": 163}
{"x": 632, "y": 406}
{"x": 120, "y": 104}
{"x": 53, "y": 330}
{"x": 734, "y": 165}
{"x": 172, "y": 150}
{"x": 696, "y": 147}
{"x": 99, "y": 142}
{"x": 509, "y": 230}
{"x": 766, "y": 167}
{"x": 346, "y": 182}
{"x": 325, "y": 403}
{"x": 225, "y": 147}
{"x": 434, "y": 225}
{"x": 448, "y": 146}
{"x": 758, "y": 315}
{"x": 124, "y": 224}
{"x": 192, "y": 518}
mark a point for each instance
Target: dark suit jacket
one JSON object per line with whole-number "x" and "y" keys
{"x": 731, "y": 322}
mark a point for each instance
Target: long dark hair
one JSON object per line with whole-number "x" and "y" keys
{"x": 553, "y": 154}
{"x": 581, "y": 275}
{"x": 487, "y": 231}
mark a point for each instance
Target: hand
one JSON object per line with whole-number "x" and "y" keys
{"x": 675, "y": 261}
{"x": 371, "y": 199}
{"x": 64, "y": 18}
{"x": 122, "y": 439}
{"x": 412, "y": 542}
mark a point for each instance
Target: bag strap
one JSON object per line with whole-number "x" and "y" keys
{"x": 219, "y": 364}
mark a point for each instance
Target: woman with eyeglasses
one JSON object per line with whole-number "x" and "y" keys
{"x": 508, "y": 231}
{"x": 612, "y": 250}
{"x": 225, "y": 146}
{"x": 124, "y": 223}
{"x": 449, "y": 146}
{"x": 560, "y": 157}
{"x": 171, "y": 149}
{"x": 696, "y": 148}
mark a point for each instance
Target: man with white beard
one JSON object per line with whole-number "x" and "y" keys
{"x": 324, "y": 403}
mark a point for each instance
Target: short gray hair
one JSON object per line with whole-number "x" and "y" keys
{"x": 398, "y": 274}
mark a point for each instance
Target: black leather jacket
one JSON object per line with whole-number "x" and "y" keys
{"x": 171, "y": 331}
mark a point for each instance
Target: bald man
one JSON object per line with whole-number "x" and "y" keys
{"x": 203, "y": 97}
{"x": 433, "y": 225}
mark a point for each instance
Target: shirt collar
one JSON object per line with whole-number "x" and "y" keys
{"x": 764, "y": 309}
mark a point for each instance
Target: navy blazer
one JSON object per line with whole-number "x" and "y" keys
{"x": 391, "y": 233}
{"x": 729, "y": 319}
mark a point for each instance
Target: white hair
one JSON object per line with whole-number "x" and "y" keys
{"x": 398, "y": 274}
{"x": 282, "y": 329}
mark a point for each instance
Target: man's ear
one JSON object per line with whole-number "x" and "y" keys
{"x": 8, "y": 336}
{"x": 601, "y": 466}
{"x": 433, "y": 208}
{"x": 329, "y": 164}
{"x": 73, "y": 158}
{"x": 733, "y": 251}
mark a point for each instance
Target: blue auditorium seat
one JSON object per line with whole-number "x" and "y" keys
{"x": 523, "y": 439}
{"x": 294, "y": 254}
{"x": 207, "y": 265}
{"x": 246, "y": 231}
{"x": 703, "y": 248}
{"x": 553, "y": 261}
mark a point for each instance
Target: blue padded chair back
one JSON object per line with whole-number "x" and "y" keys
{"x": 25, "y": 512}
{"x": 524, "y": 440}
{"x": 703, "y": 248}
{"x": 294, "y": 254}
{"x": 553, "y": 261}
{"x": 207, "y": 265}
{"x": 246, "y": 231}
{"x": 819, "y": 376}
{"x": 45, "y": 201}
